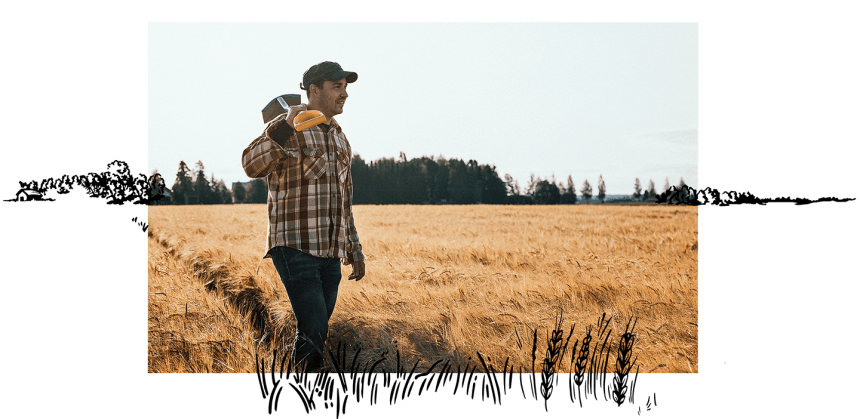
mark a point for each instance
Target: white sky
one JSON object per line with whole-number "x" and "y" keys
{"x": 617, "y": 99}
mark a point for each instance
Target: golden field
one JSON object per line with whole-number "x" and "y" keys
{"x": 442, "y": 282}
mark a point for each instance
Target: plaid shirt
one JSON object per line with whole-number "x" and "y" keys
{"x": 310, "y": 189}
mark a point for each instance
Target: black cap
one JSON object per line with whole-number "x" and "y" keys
{"x": 326, "y": 70}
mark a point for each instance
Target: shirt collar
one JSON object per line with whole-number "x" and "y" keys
{"x": 332, "y": 125}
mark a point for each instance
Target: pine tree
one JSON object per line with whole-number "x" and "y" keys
{"x": 637, "y": 190}
{"x": 182, "y": 186}
{"x": 586, "y": 190}
{"x": 601, "y": 189}
{"x": 511, "y": 186}
{"x": 202, "y": 188}
{"x": 666, "y": 185}
{"x": 568, "y": 195}
{"x": 493, "y": 189}
{"x": 461, "y": 183}
{"x": 215, "y": 196}
{"x": 238, "y": 193}
{"x": 546, "y": 193}
{"x": 532, "y": 185}
{"x": 258, "y": 192}
{"x": 361, "y": 186}
{"x": 157, "y": 189}
{"x": 222, "y": 194}
{"x": 652, "y": 192}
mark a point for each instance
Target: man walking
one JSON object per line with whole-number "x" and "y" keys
{"x": 311, "y": 225}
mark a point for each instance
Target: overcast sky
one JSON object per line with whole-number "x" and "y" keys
{"x": 579, "y": 99}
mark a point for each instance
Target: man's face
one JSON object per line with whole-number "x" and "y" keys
{"x": 332, "y": 97}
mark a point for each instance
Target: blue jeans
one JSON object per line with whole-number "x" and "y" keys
{"x": 311, "y": 283}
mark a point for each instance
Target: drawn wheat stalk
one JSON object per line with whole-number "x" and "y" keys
{"x": 581, "y": 363}
{"x": 623, "y": 364}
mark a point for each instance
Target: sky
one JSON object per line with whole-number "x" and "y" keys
{"x": 549, "y": 99}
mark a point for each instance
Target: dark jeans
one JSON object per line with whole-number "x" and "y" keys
{"x": 311, "y": 283}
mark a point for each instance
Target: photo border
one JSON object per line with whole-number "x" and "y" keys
{"x": 777, "y": 111}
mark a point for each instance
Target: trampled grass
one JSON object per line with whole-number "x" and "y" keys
{"x": 442, "y": 282}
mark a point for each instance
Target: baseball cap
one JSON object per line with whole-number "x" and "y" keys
{"x": 326, "y": 70}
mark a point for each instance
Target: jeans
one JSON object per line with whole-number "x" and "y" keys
{"x": 311, "y": 283}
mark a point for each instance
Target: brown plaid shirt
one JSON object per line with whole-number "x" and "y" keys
{"x": 310, "y": 189}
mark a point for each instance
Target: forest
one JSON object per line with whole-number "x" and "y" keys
{"x": 417, "y": 181}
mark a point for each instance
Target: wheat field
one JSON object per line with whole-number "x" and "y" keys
{"x": 442, "y": 282}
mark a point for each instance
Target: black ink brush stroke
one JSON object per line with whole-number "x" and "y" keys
{"x": 334, "y": 392}
{"x": 117, "y": 185}
{"x": 687, "y": 195}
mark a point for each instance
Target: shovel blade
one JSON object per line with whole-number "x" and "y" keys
{"x": 275, "y": 108}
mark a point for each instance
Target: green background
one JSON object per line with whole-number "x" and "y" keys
{"x": 778, "y": 112}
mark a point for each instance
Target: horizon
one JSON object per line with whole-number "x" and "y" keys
{"x": 659, "y": 187}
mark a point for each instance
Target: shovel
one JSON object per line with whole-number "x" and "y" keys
{"x": 281, "y": 105}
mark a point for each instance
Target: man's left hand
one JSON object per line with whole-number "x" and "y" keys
{"x": 357, "y": 270}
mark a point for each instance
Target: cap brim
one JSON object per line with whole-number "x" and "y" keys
{"x": 350, "y": 76}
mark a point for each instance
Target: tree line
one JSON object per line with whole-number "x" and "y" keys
{"x": 429, "y": 180}
{"x": 420, "y": 181}
{"x": 192, "y": 187}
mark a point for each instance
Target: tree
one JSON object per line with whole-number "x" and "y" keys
{"x": 530, "y": 187}
{"x": 652, "y": 192}
{"x": 258, "y": 191}
{"x": 182, "y": 186}
{"x": 568, "y": 194}
{"x": 440, "y": 183}
{"x": 666, "y": 185}
{"x": 493, "y": 189}
{"x": 601, "y": 189}
{"x": 515, "y": 193}
{"x": 681, "y": 184}
{"x": 586, "y": 190}
{"x": 215, "y": 195}
{"x": 512, "y": 188}
{"x": 238, "y": 193}
{"x": 157, "y": 189}
{"x": 223, "y": 195}
{"x": 415, "y": 187}
{"x": 546, "y": 193}
{"x": 202, "y": 188}
{"x": 361, "y": 183}
{"x": 637, "y": 190}
{"x": 459, "y": 185}
{"x": 431, "y": 172}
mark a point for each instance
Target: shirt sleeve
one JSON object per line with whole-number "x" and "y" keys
{"x": 355, "y": 252}
{"x": 263, "y": 154}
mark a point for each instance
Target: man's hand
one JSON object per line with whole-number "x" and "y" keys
{"x": 357, "y": 270}
{"x": 278, "y": 132}
{"x": 294, "y": 110}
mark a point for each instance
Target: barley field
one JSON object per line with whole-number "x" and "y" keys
{"x": 442, "y": 282}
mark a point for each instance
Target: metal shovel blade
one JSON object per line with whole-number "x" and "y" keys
{"x": 279, "y": 105}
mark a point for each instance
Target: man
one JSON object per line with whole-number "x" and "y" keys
{"x": 311, "y": 226}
